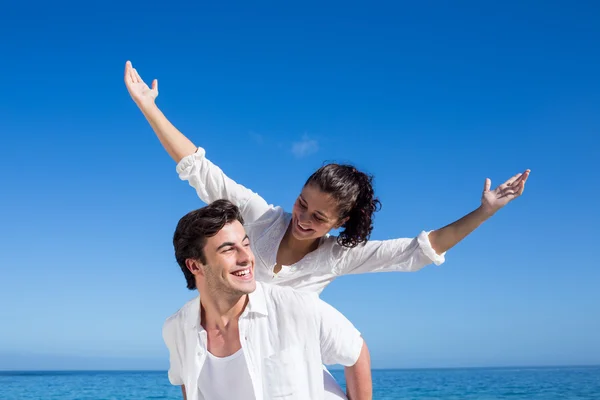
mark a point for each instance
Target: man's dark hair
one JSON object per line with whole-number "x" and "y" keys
{"x": 195, "y": 227}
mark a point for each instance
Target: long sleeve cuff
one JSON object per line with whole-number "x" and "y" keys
{"x": 425, "y": 245}
{"x": 188, "y": 161}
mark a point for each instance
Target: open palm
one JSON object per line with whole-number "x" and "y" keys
{"x": 137, "y": 88}
{"x": 493, "y": 200}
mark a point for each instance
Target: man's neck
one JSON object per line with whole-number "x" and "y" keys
{"x": 217, "y": 312}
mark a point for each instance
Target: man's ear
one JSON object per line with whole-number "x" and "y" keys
{"x": 194, "y": 266}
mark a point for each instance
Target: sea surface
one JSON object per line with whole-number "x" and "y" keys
{"x": 564, "y": 383}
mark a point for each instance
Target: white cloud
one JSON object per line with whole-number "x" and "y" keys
{"x": 305, "y": 147}
{"x": 257, "y": 137}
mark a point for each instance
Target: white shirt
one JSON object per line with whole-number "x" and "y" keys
{"x": 286, "y": 335}
{"x": 266, "y": 225}
{"x": 226, "y": 378}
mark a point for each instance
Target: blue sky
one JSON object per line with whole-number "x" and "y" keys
{"x": 430, "y": 98}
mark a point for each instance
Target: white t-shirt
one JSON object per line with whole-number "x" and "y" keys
{"x": 226, "y": 378}
{"x": 266, "y": 225}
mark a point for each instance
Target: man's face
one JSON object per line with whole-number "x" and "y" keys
{"x": 229, "y": 265}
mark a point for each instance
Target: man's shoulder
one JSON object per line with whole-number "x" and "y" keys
{"x": 188, "y": 311}
{"x": 289, "y": 298}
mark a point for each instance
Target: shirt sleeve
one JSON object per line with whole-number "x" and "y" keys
{"x": 341, "y": 342}
{"x": 175, "y": 360}
{"x": 404, "y": 255}
{"x": 212, "y": 184}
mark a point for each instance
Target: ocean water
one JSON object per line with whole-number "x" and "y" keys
{"x": 561, "y": 383}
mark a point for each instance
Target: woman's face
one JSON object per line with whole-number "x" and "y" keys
{"x": 314, "y": 214}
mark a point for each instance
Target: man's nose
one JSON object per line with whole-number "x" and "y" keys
{"x": 245, "y": 255}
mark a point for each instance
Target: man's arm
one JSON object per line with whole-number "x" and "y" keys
{"x": 342, "y": 343}
{"x": 359, "y": 384}
{"x": 447, "y": 237}
{"x": 169, "y": 333}
{"x": 175, "y": 143}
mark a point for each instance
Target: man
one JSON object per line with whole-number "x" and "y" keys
{"x": 240, "y": 339}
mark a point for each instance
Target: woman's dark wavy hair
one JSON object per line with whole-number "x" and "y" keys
{"x": 355, "y": 197}
{"x": 195, "y": 227}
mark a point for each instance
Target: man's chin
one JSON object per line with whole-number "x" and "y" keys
{"x": 245, "y": 288}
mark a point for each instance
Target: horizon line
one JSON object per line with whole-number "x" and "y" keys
{"x": 331, "y": 369}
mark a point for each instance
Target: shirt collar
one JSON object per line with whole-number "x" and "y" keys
{"x": 257, "y": 303}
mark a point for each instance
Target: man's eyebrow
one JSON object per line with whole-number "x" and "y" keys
{"x": 226, "y": 244}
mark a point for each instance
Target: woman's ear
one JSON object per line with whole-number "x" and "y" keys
{"x": 341, "y": 223}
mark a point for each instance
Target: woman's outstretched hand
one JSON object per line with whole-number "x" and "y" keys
{"x": 493, "y": 200}
{"x": 137, "y": 88}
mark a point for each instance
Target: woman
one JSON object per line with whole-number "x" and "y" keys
{"x": 295, "y": 249}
